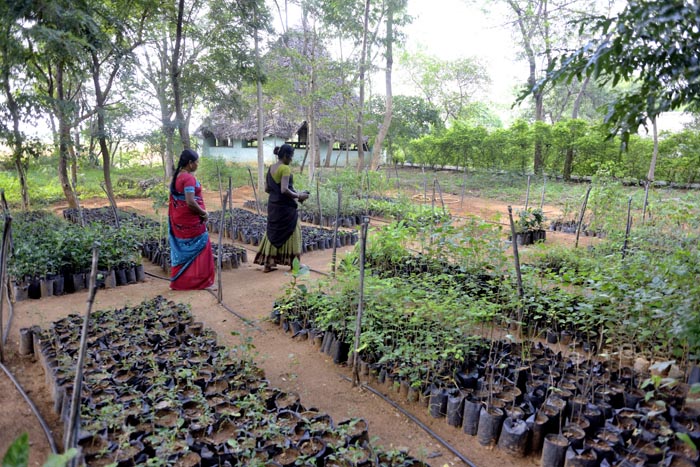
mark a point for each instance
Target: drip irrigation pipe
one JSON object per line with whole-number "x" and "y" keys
{"x": 42, "y": 422}
{"x": 242, "y": 318}
{"x": 416, "y": 421}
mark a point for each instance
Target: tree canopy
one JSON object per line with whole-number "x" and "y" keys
{"x": 652, "y": 45}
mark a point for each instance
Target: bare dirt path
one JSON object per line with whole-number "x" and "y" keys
{"x": 289, "y": 364}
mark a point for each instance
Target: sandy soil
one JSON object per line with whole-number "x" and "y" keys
{"x": 289, "y": 364}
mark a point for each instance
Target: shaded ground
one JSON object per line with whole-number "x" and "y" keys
{"x": 289, "y": 364}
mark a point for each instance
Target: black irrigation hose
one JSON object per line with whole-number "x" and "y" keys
{"x": 242, "y": 318}
{"x": 42, "y": 422}
{"x": 416, "y": 421}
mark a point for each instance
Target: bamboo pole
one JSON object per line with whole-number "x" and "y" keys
{"x": 527, "y": 195}
{"x": 318, "y": 204}
{"x": 80, "y": 209}
{"x": 544, "y": 185}
{"x": 360, "y": 305}
{"x": 580, "y": 217}
{"x": 464, "y": 188}
{"x": 219, "y": 256}
{"x": 516, "y": 259}
{"x": 3, "y": 283}
{"x": 73, "y": 419}
{"x": 221, "y": 187}
{"x": 398, "y": 181}
{"x": 113, "y": 205}
{"x": 442, "y": 201}
{"x": 255, "y": 192}
{"x": 646, "y": 200}
{"x": 335, "y": 231}
{"x": 628, "y": 227}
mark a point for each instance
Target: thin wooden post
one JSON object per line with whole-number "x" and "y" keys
{"x": 73, "y": 419}
{"x": 432, "y": 198}
{"x": 464, "y": 188}
{"x": 398, "y": 181}
{"x": 255, "y": 192}
{"x": 335, "y": 231}
{"x": 3, "y": 283}
{"x": 516, "y": 258}
{"x": 425, "y": 184}
{"x": 628, "y": 227}
{"x": 544, "y": 184}
{"x": 527, "y": 195}
{"x": 221, "y": 188}
{"x": 113, "y": 205}
{"x": 580, "y": 217}
{"x": 360, "y": 305}
{"x": 646, "y": 200}
{"x": 80, "y": 209}
{"x": 318, "y": 204}
{"x": 219, "y": 256}
{"x": 442, "y": 201}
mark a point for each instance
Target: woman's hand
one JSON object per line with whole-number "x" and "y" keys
{"x": 204, "y": 216}
{"x": 303, "y": 196}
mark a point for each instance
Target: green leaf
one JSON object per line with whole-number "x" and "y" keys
{"x": 686, "y": 439}
{"x": 17, "y": 454}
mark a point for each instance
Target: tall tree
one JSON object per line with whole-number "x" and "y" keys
{"x": 121, "y": 32}
{"x": 651, "y": 44}
{"x": 13, "y": 59}
{"x": 60, "y": 33}
{"x": 449, "y": 85}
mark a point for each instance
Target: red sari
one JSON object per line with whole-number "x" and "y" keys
{"x": 191, "y": 257}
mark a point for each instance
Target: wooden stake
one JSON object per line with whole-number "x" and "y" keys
{"x": 629, "y": 226}
{"x": 516, "y": 258}
{"x": 73, "y": 419}
{"x": 544, "y": 184}
{"x": 646, "y": 200}
{"x": 318, "y": 204}
{"x": 464, "y": 188}
{"x": 398, "y": 181}
{"x": 335, "y": 231}
{"x": 255, "y": 192}
{"x": 360, "y": 305}
{"x": 580, "y": 217}
{"x": 80, "y": 209}
{"x": 220, "y": 255}
{"x": 442, "y": 201}
{"x": 527, "y": 195}
{"x": 3, "y": 282}
{"x": 113, "y": 205}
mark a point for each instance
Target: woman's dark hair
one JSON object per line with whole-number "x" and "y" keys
{"x": 284, "y": 151}
{"x": 276, "y": 150}
{"x": 186, "y": 156}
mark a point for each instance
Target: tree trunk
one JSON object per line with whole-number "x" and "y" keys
{"x": 175, "y": 80}
{"x": 569, "y": 159}
{"x": 329, "y": 152}
{"x": 17, "y": 139}
{"x": 654, "y": 155}
{"x": 361, "y": 103}
{"x": 384, "y": 129}
{"x": 63, "y": 141}
{"x": 101, "y": 130}
{"x": 259, "y": 95}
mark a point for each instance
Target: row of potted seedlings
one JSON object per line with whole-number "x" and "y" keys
{"x": 51, "y": 256}
{"x": 250, "y": 228}
{"x": 530, "y": 400}
{"x": 570, "y": 226}
{"x": 159, "y": 389}
{"x": 158, "y": 252}
{"x": 524, "y": 398}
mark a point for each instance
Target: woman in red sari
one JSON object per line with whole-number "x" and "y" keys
{"x": 191, "y": 258}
